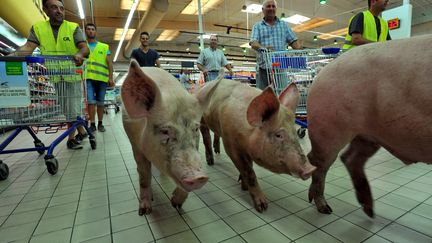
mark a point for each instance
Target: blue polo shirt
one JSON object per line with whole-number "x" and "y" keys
{"x": 278, "y": 36}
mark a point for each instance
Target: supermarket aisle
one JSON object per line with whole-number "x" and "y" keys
{"x": 93, "y": 198}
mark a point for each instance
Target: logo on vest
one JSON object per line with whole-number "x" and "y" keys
{"x": 66, "y": 39}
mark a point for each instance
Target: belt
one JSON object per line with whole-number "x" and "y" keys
{"x": 214, "y": 71}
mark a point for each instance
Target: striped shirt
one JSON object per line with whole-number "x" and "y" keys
{"x": 212, "y": 60}
{"x": 276, "y": 36}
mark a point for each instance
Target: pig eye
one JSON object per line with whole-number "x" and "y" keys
{"x": 279, "y": 135}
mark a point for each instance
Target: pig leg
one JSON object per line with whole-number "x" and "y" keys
{"x": 359, "y": 151}
{"x": 205, "y": 131}
{"x": 144, "y": 172}
{"x": 178, "y": 198}
{"x": 247, "y": 177}
{"x": 216, "y": 144}
{"x": 322, "y": 155}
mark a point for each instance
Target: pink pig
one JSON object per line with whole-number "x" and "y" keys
{"x": 162, "y": 122}
{"x": 255, "y": 126}
{"x": 376, "y": 95}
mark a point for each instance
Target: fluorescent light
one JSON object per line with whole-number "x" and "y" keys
{"x": 11, "y": 34}
{"x": 296, "y": 19}
{"x": 246, "y": 45}
{"x": 80, "y": 9}
{"x": 119, "y": 31}
{"x": 206, "y": 36}
{"x": 253, "y": 8}
{"x": 206, "y": 5}
{"x": 168, "y": 35}
{"x": 143, "y": 5}
{"x": 126, "y": 27}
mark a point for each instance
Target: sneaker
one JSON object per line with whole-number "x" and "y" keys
{"x": 93, "y": 128}
{"x": 79, "y": 137}
{"x": 101, "y": 128}
{"x": 73, "y": 144}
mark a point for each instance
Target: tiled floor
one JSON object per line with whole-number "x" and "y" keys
{"x": 93, "y": 198}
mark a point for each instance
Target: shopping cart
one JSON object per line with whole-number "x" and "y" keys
{"x": 41, "y": 94}
{"x": 111, "y": 100}
{"x": 300, "y": 67}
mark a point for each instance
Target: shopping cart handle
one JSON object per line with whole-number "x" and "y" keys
{"x": 262, "y": 49}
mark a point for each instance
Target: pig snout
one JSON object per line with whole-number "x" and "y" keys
{"x": 194, "y": 182}
{"x": 307, "y": 171}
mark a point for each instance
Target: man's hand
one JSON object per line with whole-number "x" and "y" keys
{"x": 205, "y": 72}
{"x": 111, "y": 83}
{"x": 79, "y": 59}
{"x": 231, "y": 73}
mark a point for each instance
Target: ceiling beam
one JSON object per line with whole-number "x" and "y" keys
{"x": 118, "y": 22}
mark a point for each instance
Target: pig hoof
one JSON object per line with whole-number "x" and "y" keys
{"x": 217, "y": 151}
{"x": 210, "y": 162}
{"x": 261, "y": 207}
{"x": 176, "y": 205}
{"x": 369, "y": 211}
{"x": 142, "y": 211}
{"x": 326, "y": 209}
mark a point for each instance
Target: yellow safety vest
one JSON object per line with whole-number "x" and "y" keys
{"x": 64, "y": 45}
{"x": 369, "y": 30}
{"x": 97, "y": 66}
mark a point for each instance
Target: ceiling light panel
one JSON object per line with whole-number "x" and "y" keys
{"x": 168, "y": 35}
{"x": 296, "y": 19}
{"x": 340, "y": 33}
{"x": 118, "y": 32}
{"x": 206, "y": 5}
{"x": 253, "y": 8}
{"x": 143, "y": 5}
{"x": 311, "y": 24}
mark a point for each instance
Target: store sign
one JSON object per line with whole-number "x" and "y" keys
{"x": 14, "y": 87}
{"x": 14, "y": 68}
{"x": 393, "y": 24}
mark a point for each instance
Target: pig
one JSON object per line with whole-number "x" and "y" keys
{"x": 162, "y": 122}
{"x": 375, "y": 95}
{"x": 255, "y": 126}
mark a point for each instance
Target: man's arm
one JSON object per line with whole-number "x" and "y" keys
{"x": 81, "y": 54}
{"x": 26, "y": 49}
{"x": 295, "y": 45}
{"x": 358, "y": 40}
{"x": 158, "y": 63}
{"x": 110, "y": 69}
{"x": 200, "y": 63}
{"x": 356, "y": 30}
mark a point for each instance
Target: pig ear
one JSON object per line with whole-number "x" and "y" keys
{"x": 262, "y": 108}
{"x": 290, "y": 96}
{"x": 139, "y": 92}
{"x": 205, "y": 93}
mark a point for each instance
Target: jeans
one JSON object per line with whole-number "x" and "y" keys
{"x": 96, "y": 92}
{"x": 211, "y": 76}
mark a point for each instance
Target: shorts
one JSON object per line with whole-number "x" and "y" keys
{"x": 96, "y": 92}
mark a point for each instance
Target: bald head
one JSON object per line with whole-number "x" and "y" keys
{"x": 266, "y": 2}
{"x": 269, "y": 9}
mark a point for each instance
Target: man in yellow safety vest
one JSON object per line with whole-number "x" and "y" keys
{"x": 368, "y": 26}
{"x": 57, "y": 36}
{"x": 99, "y": 74}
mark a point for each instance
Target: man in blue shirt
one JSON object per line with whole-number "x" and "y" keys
{"x": 145, "y": 56}
{"x": 211, "y": 60}
{"x": 270, "y": 34}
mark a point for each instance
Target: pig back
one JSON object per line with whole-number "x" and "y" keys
{"x": 226, "y": 108}
{"x": 380, "y": 90}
